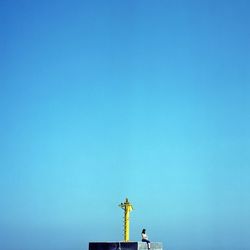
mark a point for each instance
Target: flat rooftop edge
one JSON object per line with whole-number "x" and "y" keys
{"x": 122, "y": 242}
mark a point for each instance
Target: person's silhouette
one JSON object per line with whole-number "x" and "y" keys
{"x": 145, "y": 237}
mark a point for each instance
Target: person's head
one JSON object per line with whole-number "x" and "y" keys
{"x": 143, "y": 231}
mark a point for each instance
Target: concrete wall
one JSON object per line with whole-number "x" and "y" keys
{"x": 124, "y": 246}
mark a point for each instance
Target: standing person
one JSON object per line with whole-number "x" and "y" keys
{"x": 145, "y": 237}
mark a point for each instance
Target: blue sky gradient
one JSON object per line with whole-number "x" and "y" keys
{"x": 102, "y": 100}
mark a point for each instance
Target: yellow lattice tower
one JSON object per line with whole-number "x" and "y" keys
{"x": 127, "y": 207}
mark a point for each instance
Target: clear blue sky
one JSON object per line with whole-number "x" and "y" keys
{"x": 102, "y": 100}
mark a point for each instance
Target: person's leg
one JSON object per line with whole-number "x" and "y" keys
{"x": 147, "y": 241}
{"x": 148, "y": 244}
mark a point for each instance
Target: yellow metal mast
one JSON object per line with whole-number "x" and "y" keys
{"x": 127, "y": 207}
